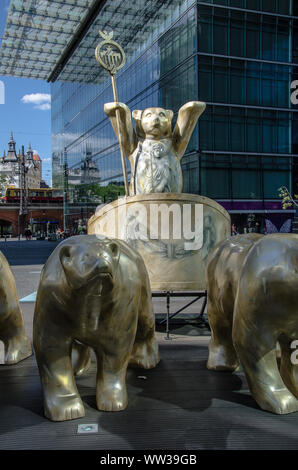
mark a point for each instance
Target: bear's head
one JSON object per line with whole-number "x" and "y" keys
{"x": 89, "y": 263}
{"x": 153, "y": 123}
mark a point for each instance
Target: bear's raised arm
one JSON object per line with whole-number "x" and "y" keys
{"x": 188, "y": 115}
{"x": 129, "y": 139}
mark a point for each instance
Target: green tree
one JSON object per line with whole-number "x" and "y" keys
{"x": 287, "y": 200}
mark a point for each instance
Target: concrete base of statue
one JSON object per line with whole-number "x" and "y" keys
{"x": 173, "y": 232}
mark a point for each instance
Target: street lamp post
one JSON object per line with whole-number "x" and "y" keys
{"x": 65, "y": 189}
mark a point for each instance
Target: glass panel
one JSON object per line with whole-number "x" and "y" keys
{"x": 237, "y": 34}
{"x": 284, "y": 7}
{"x": 283, "y": 40}
{"x": 274, "y": 180}
{"x": 206, "y": 137}
{"x": 215, "y": 183}
{"x": 268, "y": 93}
{"x": 252, "y": 36}
{"x": 283, "y": 80}
{"x": 253, "y": 83}
{"x": 221, "y": 129}
{"x": 284, "y": 133}
{"x": 269, "y": 5}
{"x": 220, "y": 81}
{"x": 205, "y": 79}
{"x": 269, "y": 133}
{"x": 237, "y": 82}
{"x": 269, "y": 38}
{"x": 253, "y": 131}
{"x": 220, "y": 32}
{"x": 246, "y": 184}
{"x": 253, "y": 4}
{"x": 237, "y": 3}
{"x": 205, "y": 29}
{"x": 237, "y": 130}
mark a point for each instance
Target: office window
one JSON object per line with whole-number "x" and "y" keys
{"x": 205, "y": 39}
{"x": 252, "y": 36}
{"x": 274, "y": 180}
{"x": 215, "y": 183}
{"x": 269, "y": 5}
{"x": 237, "y": 127}
{"x": 237, "y": 82}
{"x": 253, "y": 83}
{"x": 206, "y": 136}
{"x": 220, "y": 32}
{"x": 269, "y": 38}
{"x": 284, "y": 27}
{"x": 205, "y": 78}
{"x": 284, "y": 7}
{"x": 253, "y": 131}
{"x": 237, "y": 3}
{"x": 237, "y": 33}
{"x": 283, "y": 81}
{"x": 246, "y": 184}
{"x": 269, "y": 132}
{"x": 284, "y": 133}
{"x": 268, "y": 93}
{"x": 220, "y": 81}
{"x": 221, "y": 129}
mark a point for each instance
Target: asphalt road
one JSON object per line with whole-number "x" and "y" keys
{"x": 27, "y": 252}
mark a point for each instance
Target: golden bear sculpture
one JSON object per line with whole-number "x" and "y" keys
{"x": 94, "y": 291}
{"x": 252, "y": 283}
{"x": 17, "y": 345}
{"x": 154, "y": 150}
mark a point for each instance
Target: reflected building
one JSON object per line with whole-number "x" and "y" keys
{"x": 10, "y": 165}
{"x": 239, "y": 56}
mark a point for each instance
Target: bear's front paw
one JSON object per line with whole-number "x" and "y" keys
{"x": 222, "y": 358}
{"x": 145, "y": 355}
{"x": 112, "y": 398}
{"x": 279, "y": 402}
{"x": 18, "y": 349}
{"x": 64, "y": 408}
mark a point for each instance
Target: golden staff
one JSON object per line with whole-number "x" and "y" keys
{"x": 111, "y": 57}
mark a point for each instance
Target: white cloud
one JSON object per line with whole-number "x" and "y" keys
{"x": 43, "y": 107}
{"x": 40, "y": 101}
{"x": 46, "y": 159}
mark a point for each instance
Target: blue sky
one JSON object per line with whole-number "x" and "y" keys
{"x": 26, "y": 111}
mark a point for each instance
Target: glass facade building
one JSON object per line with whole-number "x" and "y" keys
{"x": 239, "y": 56}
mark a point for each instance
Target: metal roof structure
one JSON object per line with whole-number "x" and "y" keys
{"x": 51, "y": 39}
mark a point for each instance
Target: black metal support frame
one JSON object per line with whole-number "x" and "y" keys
{"x": 168, "y": 294}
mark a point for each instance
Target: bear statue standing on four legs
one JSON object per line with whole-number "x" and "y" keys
{"x": 96, "y": 292}
{"x": 252, "y": 283}
{"x": 17, "y": 345}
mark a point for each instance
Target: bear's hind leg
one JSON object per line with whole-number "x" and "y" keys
{"x": 256, "y": 350}
{"x": 53, "y": 354}
{"x": 17, "y": 346}
{"x": 145, "y": 353}
{"x": 81, "y": 358}
{"x": 288, "y": 365}
{"x": 222, "y": 354}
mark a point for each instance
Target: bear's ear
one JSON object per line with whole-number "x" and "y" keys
{"x": 66, "y": 258}
{"x": 137, "y": 116}
{"x": 170, "y": 114}
{"x": 114, "y": 249}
